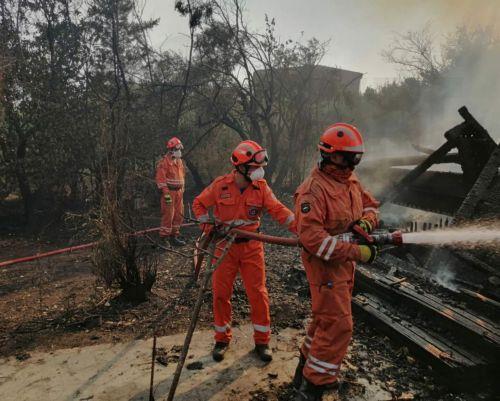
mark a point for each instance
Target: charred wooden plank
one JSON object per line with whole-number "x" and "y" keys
{"x": 476, "y": 262}
{"x": 450, "y": 360}
{"x": 481, "y": 332}
{"x": 483, "y": 300}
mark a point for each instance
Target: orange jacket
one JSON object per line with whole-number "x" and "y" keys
{"x": 230, "y": 206}
{"x": 170, "y": 173}
{"x": 325, "y": 207}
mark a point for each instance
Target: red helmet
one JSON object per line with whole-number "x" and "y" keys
{"x": 249, "y": 153}
{"x": 174, "y": 143}
{"x": 341, "y": 137}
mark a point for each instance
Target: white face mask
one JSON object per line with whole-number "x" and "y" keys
{"x": 177, "y": 154}
{"x": 257, "y": 174}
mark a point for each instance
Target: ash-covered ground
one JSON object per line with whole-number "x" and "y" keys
{"x": 57, "y": 303}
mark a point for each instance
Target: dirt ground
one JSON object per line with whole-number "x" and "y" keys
{"x": 57, "y": 303}
{"x": 112, "y": 372}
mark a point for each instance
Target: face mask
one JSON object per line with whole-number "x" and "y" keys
{"x": 257, "y": 174}
{"x": 340, "y": 174}
{"x": 177, "y": 154}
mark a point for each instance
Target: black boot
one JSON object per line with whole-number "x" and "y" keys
{"x": 297, "y": 378}
{"x": 219, "y": 350}
{"x": 264, "y": 352}
{"x": 174, "y": 241}
{"x": 309, "y": 391}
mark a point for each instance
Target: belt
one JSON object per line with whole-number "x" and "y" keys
{"x": 241, "y": 240}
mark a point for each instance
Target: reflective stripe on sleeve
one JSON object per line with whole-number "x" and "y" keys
{"x": 331, "y": 248}
{"x": 323, "y": 246}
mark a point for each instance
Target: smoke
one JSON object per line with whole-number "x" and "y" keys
{"x": 470, "y": 78}
{"x": 444, "y": 277}
{"x": 463, "y": 70}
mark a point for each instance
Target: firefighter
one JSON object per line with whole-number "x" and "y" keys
{"x": 329, "y": 202}
{"x": 170, "y": 174}
{"x": 239, "y": 199}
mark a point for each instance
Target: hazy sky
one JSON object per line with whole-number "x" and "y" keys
{"x": 358, "y": 29}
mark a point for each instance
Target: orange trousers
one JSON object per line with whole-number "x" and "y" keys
{"x": 248, "y": 259}
{"x": 330, "y": 331}
{"x": 171, "y": 215}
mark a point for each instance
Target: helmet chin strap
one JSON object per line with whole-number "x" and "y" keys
{"x": 245, "y": 173}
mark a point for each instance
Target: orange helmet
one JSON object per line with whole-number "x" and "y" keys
{"x": 341, "y": 137}
{"x": 174, "y": 143}
{"x": 249, "y": 153}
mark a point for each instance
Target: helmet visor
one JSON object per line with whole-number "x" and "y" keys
{"x": 260, "y": 157}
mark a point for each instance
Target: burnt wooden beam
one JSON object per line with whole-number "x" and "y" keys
{"x": 476, "y": 330}
{"x": 450, "y": 360}
{"x": 418, "y": 171}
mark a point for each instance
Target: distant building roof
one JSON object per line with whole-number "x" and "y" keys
{"x": 325, "y": 78}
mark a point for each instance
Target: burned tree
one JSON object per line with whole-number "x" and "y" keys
{"x": 258, "y": 87}
{"x": 116, "y": 259}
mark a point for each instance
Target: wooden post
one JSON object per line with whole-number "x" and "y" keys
{"x": 211, "y": 266}
{"x": 151, "y": 383}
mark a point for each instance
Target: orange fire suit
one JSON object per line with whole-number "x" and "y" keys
{"x": 325, "y": 207}
{"x": 170, "y": 173}
{"x": 244, "y": 209}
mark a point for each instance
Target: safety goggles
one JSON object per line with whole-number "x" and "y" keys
{"x": 351, "y": 158}
{"x": 259, "y": 157}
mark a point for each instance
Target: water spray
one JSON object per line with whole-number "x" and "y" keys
{"x": 463, "y": 237}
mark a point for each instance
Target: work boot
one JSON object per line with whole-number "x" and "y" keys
{"x": 219, "y": 350}
{"x": 297, "y": 378}
{"x": 264, "y": 352}
{"x": 174, "y": 241}
{"x": 309, "y": 391}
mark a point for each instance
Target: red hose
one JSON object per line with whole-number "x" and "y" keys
{"x": 72, "y": 248}
{"x": 270, "y": 239}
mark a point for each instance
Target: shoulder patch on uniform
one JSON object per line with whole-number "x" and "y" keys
{"x": 305, "y": 207}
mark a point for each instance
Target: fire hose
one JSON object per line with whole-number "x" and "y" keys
{"x": 73, "y": 248}
{"x": 378, "y": 238}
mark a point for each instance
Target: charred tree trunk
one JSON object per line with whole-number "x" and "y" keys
{"x": 23, "y": 182}
{"x": 196, "y": 175}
